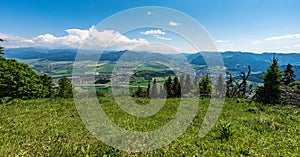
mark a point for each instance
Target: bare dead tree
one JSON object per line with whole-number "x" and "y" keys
{"x": 240, "y": 88}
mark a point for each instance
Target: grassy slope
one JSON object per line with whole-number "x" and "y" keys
{"x": 53, "y": 127}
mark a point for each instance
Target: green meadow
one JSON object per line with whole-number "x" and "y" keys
{"x": 52, "y": 127}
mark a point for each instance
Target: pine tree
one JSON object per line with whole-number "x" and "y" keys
{"x": 205, "y": 86}
{"x": 187, "y": 84}
{"x": 196, "y": 89}
{"x": 176, "y": 88}
{"x": 168, "y": 87}
{"x": 181, "y": 81}
{"x": 288, "y": 75}
{"x": 153, "y": 91}
{"x": 65, "y": 88}
{"x": 162, "y": 93}
{"x": 140, "y": 92}
{"x": 220, "y": 86}
{"x": 270, "y": 91}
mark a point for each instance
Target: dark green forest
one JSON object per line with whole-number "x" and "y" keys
{"x": 19, "y": 81}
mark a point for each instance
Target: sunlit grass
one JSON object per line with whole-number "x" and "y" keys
{"x": 48, "y": 127}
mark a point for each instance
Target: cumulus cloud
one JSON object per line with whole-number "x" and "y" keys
{"x": 172, "y": 23}
{"x": 287, "y": 36}
{"x": 13, "y": 41}
{"x": 115, "y": 40}
{"x": 89, "y": 39}
{"x": 154, "y": 32}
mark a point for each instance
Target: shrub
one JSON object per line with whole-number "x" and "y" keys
{"x": 226, "y": 132}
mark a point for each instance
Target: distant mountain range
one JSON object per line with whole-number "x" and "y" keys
{"x": 234, "y": 61}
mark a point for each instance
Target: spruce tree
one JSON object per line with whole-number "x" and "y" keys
{"x": 181, "y": 81}
{"x": 187, "y": 84}
{"x": 220, "y": 86}
{"x": 153, "y": 91}
{"x": 176, "y": 88}
{"x": 65, "y": 88}
{"x": 139, "y": 92}
{"x": 205, "y": 86}
{"x": 162, "y": 93}
{"x": 168, "y": 87}
{"x": 270, "y": 91}
{"x": 288, "y": 75}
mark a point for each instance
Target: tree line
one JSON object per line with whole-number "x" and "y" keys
{"x": 279, "y": 87}
{"x": 176, "y": 87}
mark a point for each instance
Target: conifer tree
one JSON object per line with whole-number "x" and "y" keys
{"x": 153, "y": 91}
{"x": 270, "y": 91}
{"x": 65, "y": 88}
{"x": 140, "y": 92}
{"x": 288, "y": 75}
{"x": 176, "y": 88}
{"x": 220, "y": 86}
{"x": 162, "y": 93}
{"x": 187, "y": 84}
{"x": 168, "y": 87}
{"x": 205, "y": 87}
{"x": 181, "y": 81}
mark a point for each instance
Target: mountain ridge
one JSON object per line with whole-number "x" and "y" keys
{"x": 233, "y": 60}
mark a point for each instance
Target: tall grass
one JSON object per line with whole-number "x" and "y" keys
{"x": 52, "y": 127}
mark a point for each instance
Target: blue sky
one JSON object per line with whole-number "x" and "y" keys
{"x": 239, "y": 25}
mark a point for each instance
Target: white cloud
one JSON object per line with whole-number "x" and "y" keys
{"x": 149, "y": 13}
{"x": 172, "y": 23}
{"x": 257, "y": 42}
{"x": 13, "y": 41}
{"x": 153, "y": 32}
{"x": 88, "y": 39}
{"x": 288, "y": 36}
{"x": 162, "y": 38}
{"x": 283, "y": 44}
{"x": 115, "y": 40}
{"x": 157, "y": 48}
{"x": 222, "y": 41}
{"x": 296, "y": 46}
